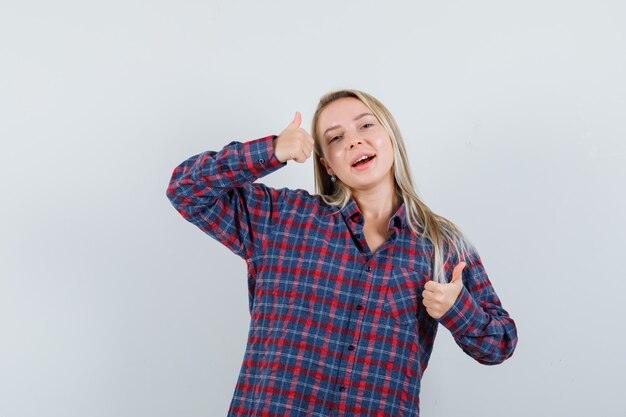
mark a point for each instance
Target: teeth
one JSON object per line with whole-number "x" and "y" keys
{"x": 361, "y": 159}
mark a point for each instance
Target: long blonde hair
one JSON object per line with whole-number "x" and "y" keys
{"x": 441, "y": 232}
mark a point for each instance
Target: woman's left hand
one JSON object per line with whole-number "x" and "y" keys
{"x": 439, "y": 298}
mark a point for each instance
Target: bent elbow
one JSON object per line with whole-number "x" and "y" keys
{"x": 501, "y": 349}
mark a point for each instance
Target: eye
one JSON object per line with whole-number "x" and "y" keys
{"x": 333, "y": 139}
{"x": 366, "y": 125}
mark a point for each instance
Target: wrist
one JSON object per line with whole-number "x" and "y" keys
{"x": 274, "y": 150}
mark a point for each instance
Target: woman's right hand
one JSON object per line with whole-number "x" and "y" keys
{"x": 293, "y": 143}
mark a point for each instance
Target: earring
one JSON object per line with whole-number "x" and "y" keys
{"x": 333, "y": 178}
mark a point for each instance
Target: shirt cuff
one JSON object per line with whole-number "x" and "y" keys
{"x": 259, "y": 156}
{"x": 464, "y": 314}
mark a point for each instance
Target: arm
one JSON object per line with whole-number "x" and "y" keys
{"x": 477, "y": 321}
{"x": 215, "y": 191}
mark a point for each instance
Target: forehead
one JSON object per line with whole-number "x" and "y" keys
{"x": 340, "y": 112}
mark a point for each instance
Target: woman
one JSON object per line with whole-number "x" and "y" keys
{"x": 346, "y": 287}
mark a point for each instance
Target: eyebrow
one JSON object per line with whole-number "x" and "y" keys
{"x": 355, "y": 119}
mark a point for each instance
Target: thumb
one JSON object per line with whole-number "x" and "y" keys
{"x": 457, "y": 273}
{"x": 295, "y": 123}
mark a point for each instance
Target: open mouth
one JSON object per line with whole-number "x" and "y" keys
{"x": 364, "y": 160}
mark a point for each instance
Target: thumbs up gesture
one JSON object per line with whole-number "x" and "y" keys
{"x": 438, "y": 298}
{"x": 294, "y": 142}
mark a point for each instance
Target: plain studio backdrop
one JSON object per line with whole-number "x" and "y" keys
{"x": 111, "y": 304}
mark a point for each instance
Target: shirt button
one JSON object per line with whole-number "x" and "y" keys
{"x": 261, "y": 161}
{"x": 342, "y": 388}
{"x": 357, "y": 235}
{"x": 369, "y": 269}
{"x": 351, "y": 347}
{"x": 359, "y": 220}
{"x": 359, "y": 307}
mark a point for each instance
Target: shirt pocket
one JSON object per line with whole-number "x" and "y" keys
{"x": 403, "y": 298}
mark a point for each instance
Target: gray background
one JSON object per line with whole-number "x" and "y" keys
{"x": 112, "y": 305}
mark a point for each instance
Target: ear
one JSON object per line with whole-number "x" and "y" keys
{"x": 323, "y": 161}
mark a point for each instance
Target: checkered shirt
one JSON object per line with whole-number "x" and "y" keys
{"x": 335, "y": 330}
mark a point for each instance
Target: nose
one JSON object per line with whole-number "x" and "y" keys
{"x": 354, "y": 139}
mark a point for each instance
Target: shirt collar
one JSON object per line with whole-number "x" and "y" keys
{"x": 352, "y": 215}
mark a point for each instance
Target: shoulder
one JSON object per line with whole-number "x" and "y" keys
{"x": 303, "y": 201}
{"x": 295, "y": 199}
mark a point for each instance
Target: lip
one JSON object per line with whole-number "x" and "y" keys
{"x": 365, "y": 166}
{"x": 361, "y": 155}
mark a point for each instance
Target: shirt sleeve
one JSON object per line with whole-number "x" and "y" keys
{"x": 216, "y": 192}
{"x": 477, "y": 320}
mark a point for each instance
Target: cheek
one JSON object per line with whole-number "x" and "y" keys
{"x": 385, "y": 144}
{"x": 334, "y": 157}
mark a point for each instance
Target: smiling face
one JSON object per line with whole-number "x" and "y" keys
{"x": 349, "y": 130}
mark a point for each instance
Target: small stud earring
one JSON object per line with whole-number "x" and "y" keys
{"x": 333, "y": 178}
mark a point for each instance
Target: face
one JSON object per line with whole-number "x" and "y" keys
{"x": 348, "y": 130}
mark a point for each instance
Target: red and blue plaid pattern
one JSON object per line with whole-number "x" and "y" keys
{"x": 335, "y": 330}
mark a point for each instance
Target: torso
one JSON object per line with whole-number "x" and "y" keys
{"x": 375, "y": 234}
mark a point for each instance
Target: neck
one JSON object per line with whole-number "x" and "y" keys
{"x": 378, "y": 203}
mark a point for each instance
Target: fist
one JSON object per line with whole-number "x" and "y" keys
{"x": 293, "y": 143}
{"x": 438, "y": 298}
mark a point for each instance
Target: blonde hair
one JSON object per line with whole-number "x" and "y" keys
{"x": 441, "y": 232}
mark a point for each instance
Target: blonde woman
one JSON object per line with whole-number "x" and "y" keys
{"x": 347, "y": 286}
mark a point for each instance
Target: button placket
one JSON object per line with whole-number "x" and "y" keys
{"x": 351, "y": 347}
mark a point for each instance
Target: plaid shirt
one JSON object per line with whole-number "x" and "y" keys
{"x": 336, "y": 330}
